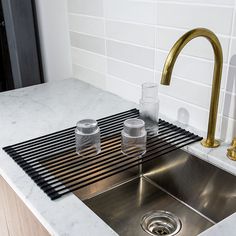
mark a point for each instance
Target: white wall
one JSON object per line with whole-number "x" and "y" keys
{"x": 54, "y": 39}
{"x": 119, "y": 44}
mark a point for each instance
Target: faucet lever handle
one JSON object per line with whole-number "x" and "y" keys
{"x": 231, "y": 152}
{"x": 234, "y": 142}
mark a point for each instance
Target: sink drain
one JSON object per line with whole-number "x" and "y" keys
{"x": 158, "y": 223}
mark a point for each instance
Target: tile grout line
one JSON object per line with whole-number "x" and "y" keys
{"x": 112, "y": 39}
{"x": 136, "y": 85}
{"x": 114, "y": 59}
{"x": 183, "y": 101}
{"x": 162, "y": 94}
{"x": 142, "y": 24}
{"x": 192, "y": 57}
{"x": 155, "y": 54}
{"x": 138, "y": 66}
{"x": 105, "y": 33}
{"x": 189, "y": 81}
{"x": 141, "y": 46}
{"x": 186, "y": 3}
{"x": 193, "y": 4}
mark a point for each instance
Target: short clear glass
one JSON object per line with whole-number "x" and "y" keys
{"x": 149, "y": 108}
{"x": 134, "y": 137}
{"x": 87, "y": 135}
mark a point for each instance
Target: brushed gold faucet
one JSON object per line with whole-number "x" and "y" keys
{"x": 231, "y": 152}
{"x": 210, "y": 141}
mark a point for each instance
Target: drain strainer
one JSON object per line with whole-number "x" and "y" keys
{"x": 158, "y": 223}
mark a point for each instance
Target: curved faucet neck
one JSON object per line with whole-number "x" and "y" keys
{"x": 169, "y": 65}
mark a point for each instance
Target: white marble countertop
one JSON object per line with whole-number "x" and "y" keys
{"x": 226, "y": 227}
{"x": 38, "y": 110}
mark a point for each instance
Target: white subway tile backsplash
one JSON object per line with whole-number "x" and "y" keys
{"x": 184, "y": 113}
{"x": 90, "y": 76}
{"x": 191, "y": 16}
{"x": 87, "y": 42}
{"x": 189, "y": 92}
{"x": 90, "y": 60}
{"x": 119, "y": 44}
{"x": 231, "y": 76}
{"x": 87, "y": 7}
{"x": 187, "y": 114}
{"x": 87, "y": 25}
{"x": 234, "y": 28}
{"x": 132, "y": 54}
{"x": 206, "y": 2}
{"x": 232, "y": 55}
{"x": 131, "y": 92}
{"x": 230, "y": 106}
{"x": 129, "y": 72}
{"x": 231, "y": 80}
{"x": 198, "y": 47}
{"x": 228, "y": 129}
{"x": 142, "y": 35}
{"x": 191, "y": 68}
{"x": 129, "y": 10}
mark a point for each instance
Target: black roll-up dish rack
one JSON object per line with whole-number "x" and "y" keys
{"x": 53, "y": 164}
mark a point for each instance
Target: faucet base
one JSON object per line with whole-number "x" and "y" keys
{"x": 231, "y": 154}
{"x": 206, "y": 143}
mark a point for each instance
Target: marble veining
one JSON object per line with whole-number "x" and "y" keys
{"x": 38, "y": 110}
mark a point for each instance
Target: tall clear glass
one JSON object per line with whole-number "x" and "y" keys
{"x": 149, "y": 108}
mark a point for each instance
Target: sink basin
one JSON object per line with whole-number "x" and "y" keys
{"x": 174, "y": 188}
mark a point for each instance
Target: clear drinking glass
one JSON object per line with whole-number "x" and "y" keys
{"x": 149, "y": 107}
{"x": 87, "y": 135}
{"x": 134, "y": 137}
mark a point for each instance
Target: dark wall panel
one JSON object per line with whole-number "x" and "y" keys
{"x": 23, "y": 42}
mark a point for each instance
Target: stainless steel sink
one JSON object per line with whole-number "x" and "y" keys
{"x": 197, "y": 193}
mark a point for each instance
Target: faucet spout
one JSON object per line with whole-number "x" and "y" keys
{"x": 210, "y": 141}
